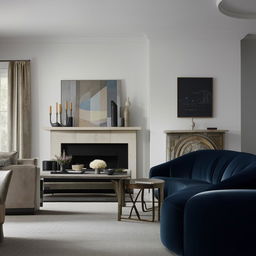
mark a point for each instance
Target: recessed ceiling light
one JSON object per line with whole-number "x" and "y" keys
{"x": 243, "y": 9}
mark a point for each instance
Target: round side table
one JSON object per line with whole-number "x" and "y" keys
{"x": 143, "y": 184}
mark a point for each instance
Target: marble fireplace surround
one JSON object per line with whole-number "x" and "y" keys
{"x": 108, "y": 135}
{"x": 180, "y": 142}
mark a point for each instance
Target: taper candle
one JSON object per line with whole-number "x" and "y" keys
{"x": 50, "y": 109}
{"x": 56, "y": 107}
{"x": 60, "y": 108}
{"x": 66, "y": 106}
{"x": 70, "y": 106}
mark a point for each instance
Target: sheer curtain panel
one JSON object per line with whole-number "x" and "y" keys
{"x": 19, "y": 108}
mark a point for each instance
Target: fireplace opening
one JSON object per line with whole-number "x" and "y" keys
{"x": 114, "y": 154}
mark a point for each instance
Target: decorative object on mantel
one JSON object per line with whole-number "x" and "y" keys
{"x": 92, "y": 101}
{"x": 56, "y": 124}
{"x": 63, "y": 161}
{"x": 113, "y": 114}
{"x": 181, "y": 142}
{"x": 60, "y": 111}
{"x": 69, "y": 119}
{"x": 97, "y": 165}
{"x": 126, "y": 112}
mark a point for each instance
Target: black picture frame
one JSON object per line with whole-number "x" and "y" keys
{"x": 195, "y": 96}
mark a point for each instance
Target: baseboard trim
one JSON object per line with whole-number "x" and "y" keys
{"x": 20, "y": 211}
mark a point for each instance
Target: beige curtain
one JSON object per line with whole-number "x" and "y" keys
{"x": 19, "y": 108}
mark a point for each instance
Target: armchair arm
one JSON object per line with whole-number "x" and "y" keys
{"x": 32, "y": 161}
{"x": 179, "y": 167}
{"x": 220, "y": 223}
{"x": 163, "y": 170}
{"x": 24, "y": 187}
{"x": 5, "y": 178}
{"x": 243, "y": 180}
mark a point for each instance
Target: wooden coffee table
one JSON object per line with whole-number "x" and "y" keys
{"x": 84, "y": 179}
{"x": 143, "y": 184}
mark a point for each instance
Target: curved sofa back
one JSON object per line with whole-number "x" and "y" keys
{"x": 214, "y": 166}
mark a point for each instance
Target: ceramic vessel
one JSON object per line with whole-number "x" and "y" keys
{"x": 77, "y": 167}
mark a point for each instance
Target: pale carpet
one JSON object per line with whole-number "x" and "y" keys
{"x": 79, "y": 229}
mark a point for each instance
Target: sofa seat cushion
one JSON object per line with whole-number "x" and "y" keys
{"x": 173, "y": 185}
{"x": 172, "y": 214}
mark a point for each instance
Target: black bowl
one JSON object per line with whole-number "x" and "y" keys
{"x": 110, "y": 171}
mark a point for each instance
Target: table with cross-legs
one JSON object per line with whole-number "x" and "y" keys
{"x": 143, "y": 184}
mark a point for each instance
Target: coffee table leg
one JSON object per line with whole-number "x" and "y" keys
{"x": 118, "y": 190}
{"x": 121, "y": 198}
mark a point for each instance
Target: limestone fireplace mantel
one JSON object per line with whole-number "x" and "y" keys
{"x": 122, "y": 129}
{"x": 59, "y": 135}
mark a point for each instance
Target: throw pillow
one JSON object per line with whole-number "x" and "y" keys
{"x": 12, "y": 156}
{"x": 4, "y": 162}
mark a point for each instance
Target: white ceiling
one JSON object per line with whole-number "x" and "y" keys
{"x": 80, "y": 18}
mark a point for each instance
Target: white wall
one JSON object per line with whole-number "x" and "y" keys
{"x": 51, "y": 62}
{"x": 149, "y": 70}
{"x": 170, "y": 59}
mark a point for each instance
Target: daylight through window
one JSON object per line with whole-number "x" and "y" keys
{"x": 3, "y": 106}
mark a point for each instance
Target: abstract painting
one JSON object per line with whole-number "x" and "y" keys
{"x": 91, "y": 100}
{"x": 195, "y": 97}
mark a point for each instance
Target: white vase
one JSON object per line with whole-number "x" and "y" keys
{"x": 97, "y": 171}
{"x": 126, "y": 112}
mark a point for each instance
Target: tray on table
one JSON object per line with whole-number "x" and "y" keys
{"x": 91, "y": 171}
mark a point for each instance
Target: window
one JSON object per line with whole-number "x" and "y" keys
{"x": 3, "y": 106}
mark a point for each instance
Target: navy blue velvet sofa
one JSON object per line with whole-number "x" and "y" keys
{"x": 210, "y": 203}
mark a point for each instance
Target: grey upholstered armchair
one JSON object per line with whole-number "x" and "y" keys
{"x": 24, "y": 191}
{"x": 5, "y": 178}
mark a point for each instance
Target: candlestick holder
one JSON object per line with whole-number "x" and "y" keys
{"x": 61, "y": 124}
{"x": 66, "y": 117}
{"x": 56, "y": 124}
{"x": 70, "y": 120}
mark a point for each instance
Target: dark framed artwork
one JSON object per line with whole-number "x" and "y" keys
{"x": 195, "y": 96}
{"x": 92, "y": 101}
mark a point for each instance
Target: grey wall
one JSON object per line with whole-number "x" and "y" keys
{"x": 248, "y": 94}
